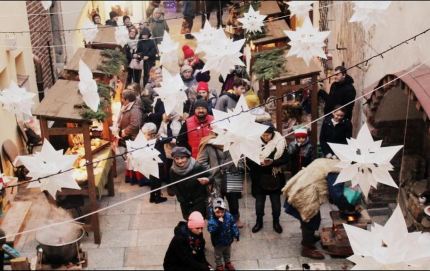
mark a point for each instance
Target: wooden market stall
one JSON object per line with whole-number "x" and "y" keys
{"x": 270, "y": 8}
{"x": 298, "y": 76}
{"x": 105, "y": 39}
{"x": 60, "y": 105}
{"x": 92, "y": 57}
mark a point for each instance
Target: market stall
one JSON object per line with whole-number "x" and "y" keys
{"x": 62, "y": 104}
{"x": 92, "y": 57}
{"x": 105, "y": 39}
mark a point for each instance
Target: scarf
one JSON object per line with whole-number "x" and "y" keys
{"x": 186, "y": 169}
{"x": 277, "y": 143}
{"x": 132, "y": 43}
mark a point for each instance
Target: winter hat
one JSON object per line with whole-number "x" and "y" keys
{"x": 186, "y": 68}
{"x": 200, "y": 103}
{"x": 252, "y": 100}
{"x": 180, "y": 152}
{"x": 218, "y": 203}
{"x": 188, "y": 52}
{"x": 202, "y": 86}
{"x": 149, "y": 127}
{"x": 301, "y": 132}
{"x": 196, "y": 220}
{"x": 145, "y": 31}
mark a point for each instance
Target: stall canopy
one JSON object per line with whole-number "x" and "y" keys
{"x": 92, "y": 57}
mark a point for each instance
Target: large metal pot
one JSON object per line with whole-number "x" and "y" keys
{"x": 60, "y": 253}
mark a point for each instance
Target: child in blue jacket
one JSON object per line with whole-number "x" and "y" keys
{"x": 223, "y": 230}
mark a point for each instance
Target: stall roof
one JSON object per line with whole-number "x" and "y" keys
{"x": 59, "y": 102}
{"x": 91, "y": 57}
{"x": 269, "y": 8}
{"x": 105, "y": 38}
{"x": 296, "y": 68}
{"x": 418, "y": 81}
{"x": 274, "y": 32}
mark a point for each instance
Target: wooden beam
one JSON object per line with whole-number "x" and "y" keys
{"x": 91, "y": 183}
{"x": 278, "y": 107}
{"x": 65, "y": 131}
{"x": 314, "y": 113}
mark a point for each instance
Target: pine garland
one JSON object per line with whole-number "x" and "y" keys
{"x": 105, "y": 101}
{"x": 113, "y": 62}
{"x": 269, "y": 64}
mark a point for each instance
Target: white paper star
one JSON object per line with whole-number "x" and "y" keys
{"x": 172, "y": 92}
{"x": 389, "y": 247}
{"x": 369, "y": 13}
{"x": 222, "y": 55}
{"x": 17, "y": 100}
{"x": 206, "y": 36}
{"x": 121, "y": 35}
{"x": 168, "y": 53}
{"x": 89, "y": 31}
{"x": 143, "y": 155}
{"x": 307, "y": 42}
{"x": 88, "y": 87}
{"x": 300, "y": 8}
{"x": 252, "y": 20}
{"x": 49, "y": 162}
{"x": 240, "y": 134}
{"x": 364, "y": 161}
{"x": 46, "y": 4}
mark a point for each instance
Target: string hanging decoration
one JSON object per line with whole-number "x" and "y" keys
{"x": 369, "y": 13}
{"x": 88, "y": 87}
{"x": 17, "y": 100}
{"x": 389, "y": 247}
{"x": 364, "y": 162}
{"x": 172, "y": 93}
{"x": 252, "y": 21}
{"x": 307, "y": 42}
{"x": 168, "y": 52}
{"x": 45, "y": 166}
{"x": 300, "y": 8}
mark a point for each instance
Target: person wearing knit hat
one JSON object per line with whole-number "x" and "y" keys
{"x": 188, "y": 52}
{"x": 187, "y": 249}
{"x": 192, "y": 194}
{"x": 300, "y": 150}
{"x": 223, "y": 229}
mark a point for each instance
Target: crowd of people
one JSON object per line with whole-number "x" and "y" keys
{"x": 187, "y": 148}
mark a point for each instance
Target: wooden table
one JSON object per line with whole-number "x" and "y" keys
{"x": 105, "y": 39}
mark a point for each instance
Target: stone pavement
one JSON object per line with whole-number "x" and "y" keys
{"x": 136, "y": 235}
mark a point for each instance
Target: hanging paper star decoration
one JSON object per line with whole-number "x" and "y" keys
{"x": 252, "y": 20}
{"x": 369, "y": 13}
{"x": 46, "y": 4}
{"x": 89, "y": 30}
{"x": 239, "y": 134}
{"x": 223, "y": 55}
{"x": 300, "y": 8}
{"x": 121, "y": 35}
{"x": 389, "y": 247}
{"x": 172, "y": 92}
{"x": 17, "y": 100}
{"x": 307, "y": 42}
{"x": 168, "y": 52}
{"x": 88, "y": 87}
{"x": 364, "y": 161}
{"x": 206, "y": 36}
{"x": 143, "y": 156}
{"x": 45, "y": 165}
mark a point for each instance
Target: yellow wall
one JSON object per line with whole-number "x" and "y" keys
{"x": 23, "y": 57}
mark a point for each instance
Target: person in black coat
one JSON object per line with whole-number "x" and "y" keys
{"x": 342, "y": 91}
{"x": 132, "y": 53}
{"x": 113, "y": 19}
{"x": 192, "y": 193}
{"x": 335, "y": 129}
{"x": 148, "y": 49}
{"x": 187, "y": 248}
{"x": 267, "y": 177}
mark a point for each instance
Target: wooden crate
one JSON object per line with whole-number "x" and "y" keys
{"x": 335, "y": 241}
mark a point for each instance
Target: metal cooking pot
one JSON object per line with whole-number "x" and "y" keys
{"x": 60, "y": 253}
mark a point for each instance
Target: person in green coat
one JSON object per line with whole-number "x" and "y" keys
{"x": 191, "y": 193}
{"x": 157, "y": 25}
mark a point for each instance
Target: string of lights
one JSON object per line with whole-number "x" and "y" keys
{"x": 241, "y": 112}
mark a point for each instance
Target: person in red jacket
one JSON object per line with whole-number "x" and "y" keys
{"x": 195, "y": 128}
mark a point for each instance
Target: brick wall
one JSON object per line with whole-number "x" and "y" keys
{"x": 41, "y": 23}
